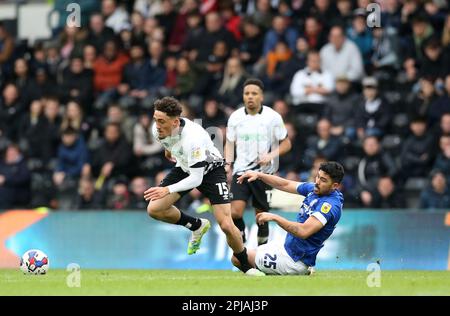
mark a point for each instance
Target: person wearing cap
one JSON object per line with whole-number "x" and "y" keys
{"x": 373, "y": 114}
{"x": 341, "y": 56}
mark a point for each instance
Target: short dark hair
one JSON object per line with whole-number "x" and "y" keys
{"x": 169, "y": 105}
{"x": 334, "y": 170}
{"x": 255, "y": 82}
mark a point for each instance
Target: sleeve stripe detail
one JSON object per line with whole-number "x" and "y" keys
{"x": 320, "y": 217}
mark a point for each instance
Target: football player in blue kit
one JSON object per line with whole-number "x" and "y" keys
{"x": 319, "y": 213}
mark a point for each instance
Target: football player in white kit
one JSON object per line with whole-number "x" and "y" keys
{"x": 258, "y": 136}
{"x": 200, "y": 165}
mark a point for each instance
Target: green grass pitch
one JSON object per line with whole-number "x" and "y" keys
{"x": 223, "y": 283}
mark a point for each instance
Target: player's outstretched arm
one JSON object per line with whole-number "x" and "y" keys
{"x": 301, "y": 230}
{"x": 274, "y": 181}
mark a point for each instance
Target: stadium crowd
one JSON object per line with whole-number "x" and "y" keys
{"x": 76, "y": 108}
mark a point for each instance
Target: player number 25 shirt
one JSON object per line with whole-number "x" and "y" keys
{"x": 327, "y": 209}
{"x": 192, "y": 145}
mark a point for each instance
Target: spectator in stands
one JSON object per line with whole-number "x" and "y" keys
{"x": 194, "y": 35}
{"x": 213, "y": 116}
{"x": 435, "y": 63}
{"x": 340, "y": 109}
{"x": 14, "y": 179}
{"x": 276, "y": 72}
{"x": 72, "y": 158}
{"x": 385, "y": 59}
{"x": 167, "y": 18}
{"x": 24, "y": 81}
{"x": 413, "y": 44}
{"x": 262, "y": 13}
{"x": 229, "y": 92}
{"x": 250, "y": 49}
{"x": 115, "y": 16}
{"x": 12, "y": 109}
{"x": 361, "y": 35}
{"x": 442, "y": 105}
{"x": 108, "y": 70}
{"x": 345, "y": 14}
{"x": 437, "y": 194}
{"x": 113, "y": 158}
{"x": 178, "y": 32}
{"x": 386, "y": 195}
{"x": 186, "y": 79}
{"x": 417, "y": 151}
{"x": 372, "y": 114}
{"x": 119, "y": 197}
{"x": 74, "y": 117}
{"x": 311, "y": 86}
{"x": 341, "y": 56}
{"x": 391, "y": 14}
{"x": 141, "y": 81}
{"x": 88, "y": 198}
{"x": 99, "y": 33}
{"x": 325, "y": 11}
{"x": 421, "y": 103}
{"x": 214, "y": 32}
{"x": 137, "y": 188}
{"x": 314, "y": 33}
{"x": 72, "y": 164}
{"x": 6, "y": 52}
{"x": 52, "y": 127}
{"x": 374, "y": 164}
{"x": 148, "y": 151}
{"x": 280, "y": 31}
{"x": 282, "y": 107}
{"x": 32, "y": 128}
{"x": 442, "y": 162}
{"x": 71, "y": 41}
{"x": 76, "y": 83}
{"x": 324, "y": 144}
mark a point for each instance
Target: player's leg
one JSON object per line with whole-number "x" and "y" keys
{"x": 164, "y": 210}
{"x": 215, "y": 188}
{"x": 237, "y": 214}
{"x": 263, "y": 230}
{"x": 260, "y": 202}
{"x": 222, "y": 213}
{"x": 240, "y": 194}
{"x": 251, "y": 253}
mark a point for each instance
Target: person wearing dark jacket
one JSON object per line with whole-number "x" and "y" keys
{"x": 437, "y": 194}
{"x": 324, "y": 144}
{"x": 385, "y": 196}
{"x": 114, "y": 156}
{"x": 340, "y": 109}
{"x": 12, "y": 109}
{"x": 374, "y": 165}
{"x": 77, "y": 83}
{"x": 373, "y": 114}
{"x": 417, "y": 151}
{"x": 15, "y": 179}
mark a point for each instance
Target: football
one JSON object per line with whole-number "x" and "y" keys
{"x": 34, "y": 261}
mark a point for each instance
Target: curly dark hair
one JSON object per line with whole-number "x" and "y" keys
{"x": 254, "y": 81}
{"x": 334, "y": 170}
{"x": 169, "y": 105}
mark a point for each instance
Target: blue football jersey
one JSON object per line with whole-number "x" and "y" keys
{"x": 327, "y": 209}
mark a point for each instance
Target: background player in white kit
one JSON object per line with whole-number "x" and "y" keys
{"x": 199, "y": 164}
{"x": 257, "y": 135}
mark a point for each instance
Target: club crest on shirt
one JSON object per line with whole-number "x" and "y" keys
{"x": 326, "y": 207}
{"x": 196, "y": 153}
